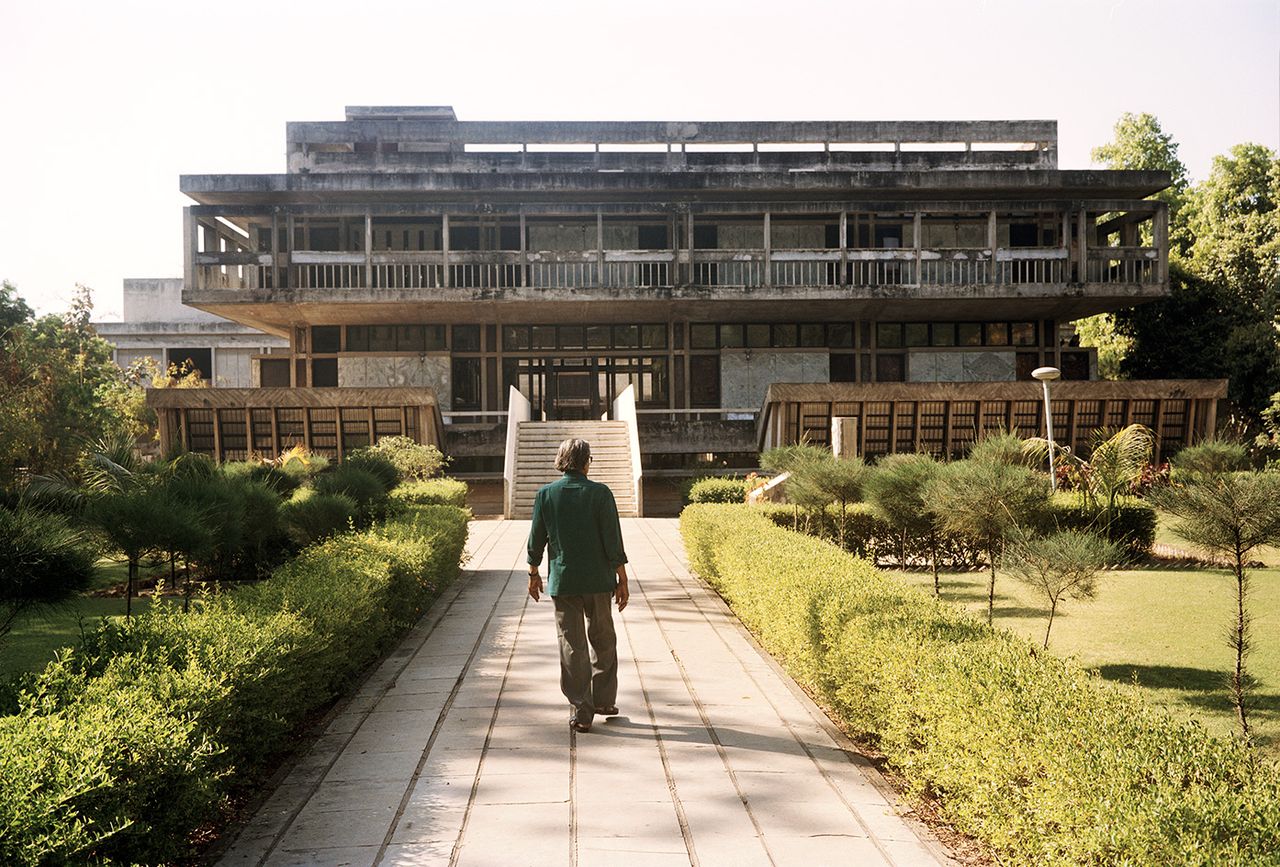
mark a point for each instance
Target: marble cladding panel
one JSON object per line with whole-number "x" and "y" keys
{"x": 745, "y": 376}
{"x": 430, "y": 371}
{"x": 233, "y": 368}
{"x": 975, "y": 366}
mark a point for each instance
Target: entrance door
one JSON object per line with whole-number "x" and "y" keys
{"x": 573, "y": 392}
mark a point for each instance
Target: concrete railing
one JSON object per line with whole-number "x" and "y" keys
{"x": 518, "y": 409}
{"x": 624, "y": 409}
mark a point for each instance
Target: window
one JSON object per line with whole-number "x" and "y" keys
{"x": 889, "y": 335}
{"x": 411, "y": 338}
{"x": 732, "y": 336}
{"x": 357, "y": 338}
{"x": 653, "y": 238}
{"x": 996, "y": 333}
{"x": 273, "y": 373}
{"x": 813, "y": 335}
{"x": 434, "y": 337}
{"x": 325, "y": 338}
{"x": 382, "y": 338}
{"x": 785, "y": 335}
{"x": 1024, "y": 334}
{"x": 544, "y": 337}
{"x": 758, "y": 336}
{"x": 466, "y": 384}
{"x": 843, "y": 368}
{"x": 653, "y": 336}
{"x": 706, "y": 236}
{"x": 598, "y": 337}
{"x": 193, "y": 359}
{"x": 942, "y": 334}
{"x": 704, "y": 380}
{"x": 628, "y": 336}
{"x": 840, "y": 335}
{"x": 466, "y": 338}
{"x": 572, "y": 337}
{"x": 324, "y": 373}
{"x": 917, "y": 334}
{"x": 969, "y": 334}
{"x": 701, "y": 336}
{"x": 890, "y": 368}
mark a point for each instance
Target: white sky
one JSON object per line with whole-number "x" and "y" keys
{"x": 104, "y": 104}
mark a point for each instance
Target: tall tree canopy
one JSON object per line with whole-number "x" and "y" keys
{"x": 58, "y": 386}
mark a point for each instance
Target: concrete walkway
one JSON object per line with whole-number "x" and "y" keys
{"x": 457, "y": 749}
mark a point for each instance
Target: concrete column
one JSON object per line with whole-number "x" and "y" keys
{"x": 1160, "y": 237}
{"x": 600, "y": 281}
{"x": 368, "y": 249}
{"x": 844, "y": 248}
{"x": 189, "y": 273}
{"x": 1082, "y": 250}
{"x": 844, "y": 436}
{"x": 524, "y": 255}
{"x": 768, "y": 250}
{"x": 446, "y": 277}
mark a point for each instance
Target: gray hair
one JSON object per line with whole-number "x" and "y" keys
{"x": 573, "y": 455}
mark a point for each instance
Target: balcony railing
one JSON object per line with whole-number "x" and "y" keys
{"x": 631, "y": 269}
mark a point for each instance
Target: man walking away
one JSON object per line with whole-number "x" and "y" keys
{"x": 577, "y": 520}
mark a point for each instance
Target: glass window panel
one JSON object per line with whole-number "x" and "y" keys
{"x": 515, "y": 337}
{"x": 784, "y": 334}
{"x": 1024, "y": 334}
{"x": 382, "y": 338}
{"x": 627, "y": 336}
{"x": 888, "y": 335}
{"x": 865, "y": 334}
{"x": 704, "y": 380}
{"x": 840, "y": 335}
{"x": 969, "y": 334}
{"x": 357, "y": 338}
{"x": 466, "y": 383}
{"x": 658, "y": 380}
{"x": 654, "y": 336}
{"x": 544, "y": 337}
{"x": 324, "y": 373}
{"x": 943, "y": 334}
{"x": 890, "y": 368}
{"x": 917, "y": 334}
{"x": 411, "y": 338}
{"x": 813, "y": 335}
{"x": 731, "y": 336}
{"x": 466, "y": 338}
{"x": 701, "y": 335}
{"x": 572, "y": 337}
{"x": 997, "y": 333}
{"x": 843, "y": 368}
{"x": 598, "y": 336}
{"x": 325, "y": 338}
{"x": 434, "y": 335}
{"x": 758, "y": 336}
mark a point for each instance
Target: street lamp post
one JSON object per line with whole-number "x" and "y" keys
{"x": 1047, "y": 375}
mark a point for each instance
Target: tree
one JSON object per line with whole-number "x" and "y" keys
{"x": 1202, "y": 331}
{"x": 129, "y": 519}
{"x": 1140, "y": 144}
{"x": 58, "y": 386}
{"x": 43, "y": 561}
{"x": 896, "y": 490}
{"x": 1230, "y": 514}
{"x": 818, "y": 483}
{"x": 1062, "y": 564}
{"x": 987, "y": 500}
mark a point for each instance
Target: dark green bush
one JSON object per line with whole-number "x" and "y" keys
{"x": 440, "y": 492}
{"x": 1131, "y": 524}
{"x": 43, "y": 561}
{"x": 362, "y": 486}
{"x": 310, "y": 517}
{"x": 1019, "y": 748}
{"x": 122, "y": 749}
{"x": 718, "y": 490}
{"x": 376, "y": 463}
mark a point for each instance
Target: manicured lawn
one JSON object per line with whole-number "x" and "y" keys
{"x": 32, "y": 643}
{"x": 1163, "y": 628}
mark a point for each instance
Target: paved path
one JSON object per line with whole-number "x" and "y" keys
{"x": 457, "y": 749}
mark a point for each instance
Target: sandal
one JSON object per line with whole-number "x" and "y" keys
{"x": 611, "y": 710}
{"x": 580, "y": 727}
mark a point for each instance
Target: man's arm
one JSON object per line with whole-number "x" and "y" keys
{"x": 611, "y": 539}
{"x": 620, "y": 593}
{"x": 537, "y": 543}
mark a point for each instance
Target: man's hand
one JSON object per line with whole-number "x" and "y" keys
{"x": 535, "y": 585}
{"x": 620, "y": 594}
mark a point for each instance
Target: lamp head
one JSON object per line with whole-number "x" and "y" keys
{"x": 1046, "y": 374}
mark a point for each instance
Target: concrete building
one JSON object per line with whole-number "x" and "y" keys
{"x": 911, "y": 274}
{"x": 158, "y": 325}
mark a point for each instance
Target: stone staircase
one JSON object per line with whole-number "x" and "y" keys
{"x": 536, "y": 446}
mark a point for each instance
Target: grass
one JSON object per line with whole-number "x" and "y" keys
{"x": 1161, "y": 629}
{"x": 35, "y": 640}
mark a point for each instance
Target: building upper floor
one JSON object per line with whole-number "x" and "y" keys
{"x": 410, "y": 204}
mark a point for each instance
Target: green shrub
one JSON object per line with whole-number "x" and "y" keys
{"x": 414, "y": 461}
{"x": 868, "y": 535}
{"x": 1019, "y": 748}
{"x": 120, "y": 751}
{"x": 440, "y": 492}
{"x": 376, "y": 463}
{"x": 1131, "y": 524}
{"x": 310, "y": 517}
{"x": 718, "y": 490}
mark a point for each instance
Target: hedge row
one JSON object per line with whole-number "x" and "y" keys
{"x": 125, "y": 748}
{"x": 1021, "y": 749}
{"x": 1132, "y": 525}
{"x": 440, "y": 492}
{"x": 718, "y": 490}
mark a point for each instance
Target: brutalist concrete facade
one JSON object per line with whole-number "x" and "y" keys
{"x": 698, "y": 261}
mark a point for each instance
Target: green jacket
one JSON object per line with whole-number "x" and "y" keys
{"x": 577, "y": 520}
